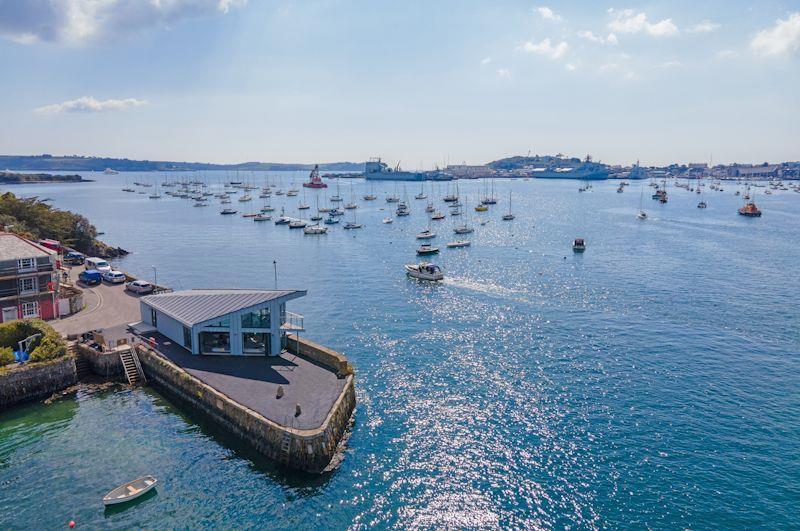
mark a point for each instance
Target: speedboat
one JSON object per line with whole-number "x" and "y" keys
{"x": 427, "y": 234}
{"x": 641, "y": 215}
{"x": 427, "y": 248}
{"x": 458, "y": 243}
{"x": 578, "y": 245}
{"x": 130, "y": 491}
{"x": 424, "y": 271}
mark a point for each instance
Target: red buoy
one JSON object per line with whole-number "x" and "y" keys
{"x": 71, "y": 524}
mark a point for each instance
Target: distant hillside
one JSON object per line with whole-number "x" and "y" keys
{"x": 515, "y": 163}
{"x": 73, "y": 163}
{"x": 26, "y": 178}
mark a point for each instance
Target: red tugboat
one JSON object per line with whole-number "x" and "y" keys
{"x": 315, "y": 181}
{"x": 750, "y": 210}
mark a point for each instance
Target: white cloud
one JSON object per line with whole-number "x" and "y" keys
{"x": 782, "y": 38}
{"x": 589, "y": 36}
{"x": 670, "y": 64}
{"x": 546, "y": 48}
{"x": 485, "y": 61}
{"x": 78, "y": 21}
{"x": 88, "y": 104}
{"x": 725, "y": 54}
{"x": 504, "y": 73}
{"x": 704, "y": 26}
{"x": 608, "y": 67}
{"x": 570, "y": 67}
{"x": 548, "y": 14}
{"x": 628, "y": 21}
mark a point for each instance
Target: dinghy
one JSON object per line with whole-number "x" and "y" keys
{"x": 130, "y": 491}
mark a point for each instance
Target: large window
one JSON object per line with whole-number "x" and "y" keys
{"x": 28, "y": 285}
{"x": 257, "y": 319}
{"x": 153, "y": 317}
{"x": 255, "y": 343}
{"x": 187, "y": 337}
{"x": 30, "y": 310}
{"x": 222, "y": 323}
{"x": 215, "y": 342}
{"x": 26, "y": 264}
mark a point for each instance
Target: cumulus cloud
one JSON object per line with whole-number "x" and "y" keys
{"x": 628, "y": 21}
{"x": 589, "y": 36}
{"x": 504, "y": 73}
{"x": 88, "y": 104}
{"x": 782, "y": 38}
{"x": 546, "y": 48}
{"x": 704, "y": 26}
{"x": 548, "y": 14}
{"x": 78, "y": 21}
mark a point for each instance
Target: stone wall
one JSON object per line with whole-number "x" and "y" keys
{"x": 106, "y": 364}
{"x": 309, "y": 450}
{"x": 34, "y": 381}
{"x": 322, "y": 355}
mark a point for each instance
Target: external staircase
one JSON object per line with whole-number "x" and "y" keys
{"x": 132, "y": 367}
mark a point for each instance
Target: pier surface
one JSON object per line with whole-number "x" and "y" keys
{"x": 253, "y": 382}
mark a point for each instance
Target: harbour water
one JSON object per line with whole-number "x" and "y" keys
{"x": 652, "y": 381}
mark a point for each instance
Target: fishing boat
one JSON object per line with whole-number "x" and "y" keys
{"x": 227, "y": 211}
{"x": 130, "y": 491}
{"x": 458, "y": 243}
{"x": 750, "y": 210}
{"x": 314, "y": 180}
{"x": 578, "y": 245}
{"x": 427, "y": 248}
{"x": 510, "y": 215}
{"x": 262, "y": 217}
{"x": 315, "y": 229}
{"x": 424, "y": 271}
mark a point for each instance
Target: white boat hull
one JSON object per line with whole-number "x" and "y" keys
{"x": 130, "y": 491}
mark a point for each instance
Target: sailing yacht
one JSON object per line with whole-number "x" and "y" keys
{"x": 371, "y": 195}
{"x": 464, "y": 228}
{"x": 510, "y": 215}
{"x": 421, "y": 194}
{"x": 642, "y": 215}
{"x": 336, "y": 198}
{"x": 353, "y": 224}
{"x": 352, "y": 204}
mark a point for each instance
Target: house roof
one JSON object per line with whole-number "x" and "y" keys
{"x": 14, "y": 247}
{"x": 196, "y": 306}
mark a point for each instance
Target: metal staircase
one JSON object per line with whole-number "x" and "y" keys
{"x": 286, "y": 443}
{"x": 132, "y": 367}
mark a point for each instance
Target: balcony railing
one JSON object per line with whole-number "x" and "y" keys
{"x": 292, "y": 322}
{"x": 15, "y": 271}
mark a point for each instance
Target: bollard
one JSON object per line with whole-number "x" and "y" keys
{"x": 279, "y": 394}
{"x": 297, "y": 410}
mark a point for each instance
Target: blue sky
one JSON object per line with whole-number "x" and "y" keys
{"x": 421, "y": 82}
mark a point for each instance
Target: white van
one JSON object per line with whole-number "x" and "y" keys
{"x": 97, "y": 263}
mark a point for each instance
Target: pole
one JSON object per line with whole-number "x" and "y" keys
{"x": 275, "y": 267}
{"x": 155, "y": 277}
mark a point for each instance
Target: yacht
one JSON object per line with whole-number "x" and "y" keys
{"x": 315, "y": 229}
{"x": 427, "y": 248}
{"x": 424, "y": 271}
{"x": 227, "y": 211}
{"x": 427, "y": 234}
{"x": 458, "y": 243}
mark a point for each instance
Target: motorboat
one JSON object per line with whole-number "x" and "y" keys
{"x": 297, "y": 224}
{"x": 250, "y": 215}
{"x": 437, "y": 216}
{"x": 369, "y": 197}
{"x": 458, "y": 243}
{"x": 427, "y": 234}
{"x": 262, "y": 217}
{"x": 702, "y": 204}
{"x": 642, "y": 215}
{"x": 352, "y": 225}
{"x": 387, "y": 220}
{"x": 331, "y": 220}
{"x": 227, "y": 211}
{"x": 130, "y": 491}
{"x": 424, "y": 271}
{"x": 481, "y": 208}
{"x": 578, "y": 245}
{"x": 315, "y": 229}
{"x": 426, "y": 249}
{"x": 750, "y": 210}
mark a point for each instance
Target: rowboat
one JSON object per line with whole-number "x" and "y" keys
{"x": 130, "y": 491}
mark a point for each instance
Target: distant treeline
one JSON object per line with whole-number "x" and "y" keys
{"x": 75, "y": 163}
{"x": 21, "y": 178}
{"x": 36, "y": 220}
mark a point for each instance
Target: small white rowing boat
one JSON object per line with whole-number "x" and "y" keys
{"x": 130, "y": 491}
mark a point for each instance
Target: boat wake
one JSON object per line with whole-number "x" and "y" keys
{"x": 488, "y": 288}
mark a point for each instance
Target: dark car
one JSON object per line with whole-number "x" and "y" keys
{"x": 90, "y": 277}
{"x": 74, "y": 258}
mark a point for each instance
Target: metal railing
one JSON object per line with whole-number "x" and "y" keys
{"x": 292, "y": 321}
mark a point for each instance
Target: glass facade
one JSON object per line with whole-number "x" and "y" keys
{"x": 256, "y": 319}
{"x": 215, "y": 342}
{"x": 256, "y": 343}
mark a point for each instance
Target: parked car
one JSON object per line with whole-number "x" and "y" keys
{"x": 74, "y": 258}
{"x": 114, "y": 277}
{"x": 98, "y": 264}
{"x": 139, "y": 286}
{"x": 90, "y": 277}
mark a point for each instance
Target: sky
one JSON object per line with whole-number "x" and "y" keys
{"x": 420, "y": 82}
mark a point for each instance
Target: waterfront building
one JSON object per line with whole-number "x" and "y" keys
{"x": 29, "y": 280}
{"x": 223, "y": 321}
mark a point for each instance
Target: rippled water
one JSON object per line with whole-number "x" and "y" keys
{"x": 653, "y": 381}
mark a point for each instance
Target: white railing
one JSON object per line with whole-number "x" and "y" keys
{"x": 292, "y": 321}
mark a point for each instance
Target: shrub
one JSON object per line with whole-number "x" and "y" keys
{"x": 6, "y": 356}
{"x": 48, "y": 346}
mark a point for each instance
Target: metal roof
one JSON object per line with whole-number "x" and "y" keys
{"x": 13, "y": 247}
{"x": 195, "y": 306}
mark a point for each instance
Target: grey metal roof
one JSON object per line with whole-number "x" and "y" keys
{"x": 195, "y": 306}
{"x": 13, "y": 247}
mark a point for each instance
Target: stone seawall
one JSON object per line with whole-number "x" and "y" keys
{"x": 36, "y": 381}
{"x": 309, "y": 450}
{"x": 322, "y": 355}
{"x": 105, "y": 364}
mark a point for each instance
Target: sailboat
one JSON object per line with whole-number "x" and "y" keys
{"x": 352, "y": 204}
{"x": 421, "y": 194}
{"x": 490, "y": 199}
{"x": 510, "y": 215}
{"x": 336, "y": 198}
{"x": 464, "y": 228}
{"x": 642, "y": 215}
{"x": 353, "y": 224}
{"x": 371, "y": 195}
{"x": 426, "y": 234}
{"x": 303, "y": 205}
{"x": 393, "y": 198}
{"x": 317, "y": 217}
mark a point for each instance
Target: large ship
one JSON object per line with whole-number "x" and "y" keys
{"x": 560, "y": 168}
{"x": 314, "y": 180}
{"x": 376, "y": 170}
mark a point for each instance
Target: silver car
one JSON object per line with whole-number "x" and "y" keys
{"x": 139, "y": 286}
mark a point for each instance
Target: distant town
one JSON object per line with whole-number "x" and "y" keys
{"x": 532, "y": 166}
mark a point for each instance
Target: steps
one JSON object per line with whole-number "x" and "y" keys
{"x": 82, "y": 367}
{"x": 286, "y": 443}
{"x": 130, "y": 364}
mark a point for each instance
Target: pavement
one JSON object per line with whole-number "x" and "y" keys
{"x": 105, "y": 305}
{"x": 253, "y": 382}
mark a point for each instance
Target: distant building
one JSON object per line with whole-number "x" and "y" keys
{"x": 466, "y": 171}
{"x": 224, "y": 321}
{"x": 766, "y": 171}
{"x": 28, "y": 279}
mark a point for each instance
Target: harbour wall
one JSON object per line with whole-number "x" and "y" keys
{"x": 35, "y": 381}
{"x": 106, "y": 364}
{"x": 309, "y": 450}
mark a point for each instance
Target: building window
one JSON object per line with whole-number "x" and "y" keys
{"x": 215, "y": 342}
{"x": 28, "y": 285}
{"x": 30, "y": 310}
{"x": 256, "y": 343}
{"x": 26, "y": 264}
{"x": 153, "y": 317}
{"x": 222, "y": 323}
{"x": 256, "y": 319}
{"x": 187, "y": 338}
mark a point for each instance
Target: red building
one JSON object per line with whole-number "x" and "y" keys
{"x": 28, "y": 279}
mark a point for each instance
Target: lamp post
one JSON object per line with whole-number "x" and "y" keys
{"x": 275, "y": 267}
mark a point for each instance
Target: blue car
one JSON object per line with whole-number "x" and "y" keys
{"x": 90, "y": 277}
